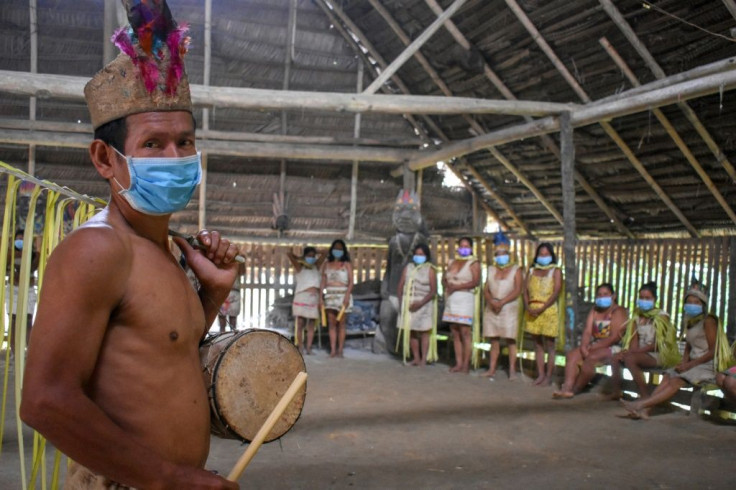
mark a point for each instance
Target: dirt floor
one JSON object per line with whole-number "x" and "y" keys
{"x": 371, "y": 422}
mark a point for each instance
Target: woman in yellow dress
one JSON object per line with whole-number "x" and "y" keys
{"x": 542, "y": 289}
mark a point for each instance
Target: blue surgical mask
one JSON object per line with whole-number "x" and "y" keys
{"x": 603, "y": 301}
{"x": 645, "y": 304}
{"x": 160, "y": 186}
{"x": 18, "y": 244}
{"x": 692, "y": 310}
{"x": 337, "y": 253}
{"x": 419, "y": 259}
{"x": 310, "y": 260}
{"x": 464, "y": 251}
{"x": 502, "y": 259}
{"x": 545, "y": 260}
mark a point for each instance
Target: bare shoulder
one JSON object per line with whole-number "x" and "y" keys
{"x": 92, "y": 255}
{"x": 620, "y": 313}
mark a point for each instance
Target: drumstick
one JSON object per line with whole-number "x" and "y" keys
{"x": 281, "y": 406}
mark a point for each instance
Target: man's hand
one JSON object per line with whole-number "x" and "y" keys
{"x": 214, "y": 264}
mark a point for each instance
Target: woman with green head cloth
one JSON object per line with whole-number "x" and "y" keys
{"x": 703, "y": 353}
{"x": 649, "y": 342}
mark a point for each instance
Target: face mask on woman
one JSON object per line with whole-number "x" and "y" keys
{"x": 645, "y": 304}
{"x": 310, "y": 260}
{"x": 603, "y": 301}
{"x": 502, "y": 259}
{"x": 337, "y": 253}
{"x": 692, "y": 310}
{"x": 420, "y": 259}
{"x": 464, "y": 251}
{"x": 544, "y": 260}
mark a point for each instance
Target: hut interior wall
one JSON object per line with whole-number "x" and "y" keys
{"x": 626, "y": 264}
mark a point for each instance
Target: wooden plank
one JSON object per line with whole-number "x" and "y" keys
{"x": 732, "y": 290}
{"x": 671, "y": 275}
{"x": 714, "y": 261}
{"x": 619, "y": 265}
{"x": 663, "y": 256}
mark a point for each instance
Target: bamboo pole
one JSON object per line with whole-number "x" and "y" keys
{"x": 413, "y": 47}
{"x": 570, "y": 235}
{"x": 672, "y": 132}
{"x": 659, "y": 73}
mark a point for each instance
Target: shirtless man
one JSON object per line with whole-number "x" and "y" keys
{"x": 114, "y": 379}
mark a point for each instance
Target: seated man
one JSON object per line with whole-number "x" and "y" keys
{"x": 113, "y": 376}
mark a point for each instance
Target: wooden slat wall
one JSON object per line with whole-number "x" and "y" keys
{"x": 627, "y": 264}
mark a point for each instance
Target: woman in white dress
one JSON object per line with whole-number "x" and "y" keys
{"x": 418, "y": 300}
{"x": 337, "y": 284}
{"x": 305, "y": 306}
{"x": 501, "y": 314}
{"x": 461, "y": 280}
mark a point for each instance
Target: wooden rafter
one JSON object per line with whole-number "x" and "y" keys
{"x": 413, "y": 47}
{"x": 446, "y": 90}
{"x": 607, "y": 128}
{"x": 672, "y": 132}
{"x": 659, "y": 73}
{"x": 546, "y": 140}
{"x": 335, "y": 11}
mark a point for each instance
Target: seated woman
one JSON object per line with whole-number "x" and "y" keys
{"x": 649, "y": 342}
{"x": 541, "y": 294}
{"x": 697, "y": 365}
{"x": 601, "y": 335}
{"x": 418, "y": 300}
{"x": 501, "y": 314}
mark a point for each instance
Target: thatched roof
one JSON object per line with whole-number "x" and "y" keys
{"x": 249, "y": 48}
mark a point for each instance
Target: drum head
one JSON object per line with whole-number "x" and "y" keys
{"x": 251, "y": 376}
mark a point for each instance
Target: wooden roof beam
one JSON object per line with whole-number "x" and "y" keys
{"x": 234, "y": 148}
{"x": 548, "y": 142}
{"x": 446, "y": 90}
{"x": 670, "y": 129}
{"x": 609, "y": 130}
{"x": 659, "y": 73}
{"x": 731, "y": 6}
{"x": 71, "y": 88}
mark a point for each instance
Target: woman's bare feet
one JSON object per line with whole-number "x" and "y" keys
{"x": 333, "y": 354}
{"x": 488, "y": 374}
{"x": 415, "y": 363}
{"x": 612, "y": 396}
{"x": 636, "y": 411}
{"x": 455, "y": 368}
{"x": 540, "y": 380}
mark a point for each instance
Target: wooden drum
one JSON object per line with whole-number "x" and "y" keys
{"x": 246, "y": 374}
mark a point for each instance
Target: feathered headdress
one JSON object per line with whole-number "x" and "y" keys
{"x": 501, "y": 241}
{"x": 697, "y": 289}
{"x": 149, "y": 74}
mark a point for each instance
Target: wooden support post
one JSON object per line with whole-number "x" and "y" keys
{"x": 110, "y": 20}
{"x": 567, "y": 149}
{"x": 659, "y": 73}
{"x": 202, "y": 204}
{"x": 413, "y": 47}
{"x": 354, "y": 174}
{"x": 33, "y": 14}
